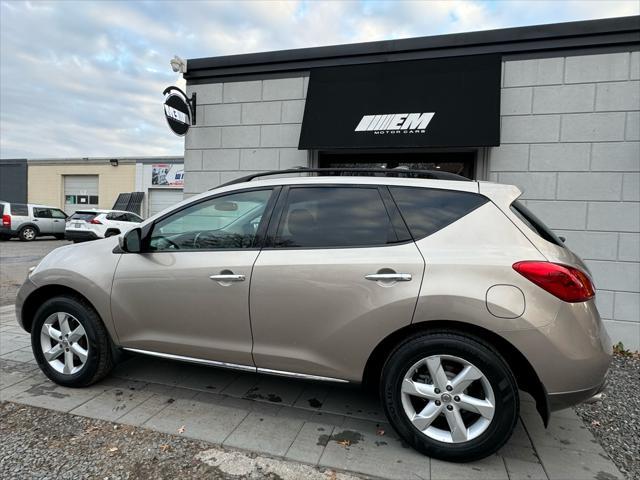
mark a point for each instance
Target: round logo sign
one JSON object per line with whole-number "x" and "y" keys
{"x": 177, "y": 113}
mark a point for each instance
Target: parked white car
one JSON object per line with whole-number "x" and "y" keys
{"x": 92, "y": 224}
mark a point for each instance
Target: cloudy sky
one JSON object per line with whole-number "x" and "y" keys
{"x": 86, "y": 78}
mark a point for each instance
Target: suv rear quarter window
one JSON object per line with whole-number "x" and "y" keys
{"x": 427, "y": 210}
{"x": 19, "y": 209}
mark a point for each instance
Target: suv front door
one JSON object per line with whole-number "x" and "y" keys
{"x": 187, "y": 294}
{"x": 341, "y": 272}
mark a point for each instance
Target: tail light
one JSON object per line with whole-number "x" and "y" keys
{"x": 95, "y": 221}
{"x": 6, "y": 221}
{"x": 565, "y": 282}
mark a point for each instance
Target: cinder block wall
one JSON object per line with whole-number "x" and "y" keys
{"x": 244, "y": 127}
{"x": 570, "y": 139}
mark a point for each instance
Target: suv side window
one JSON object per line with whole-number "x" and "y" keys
{"x": 334, "y": 217}
{"x": 225, "y": 222}
{"x": 130, "y": 217}
{"x": 117, "y": 216}
{"x": 41, "y": 212}
{"x": 55, "y": 213}
{"x": 427, "y": 210}
{"x": 19, "y": 210}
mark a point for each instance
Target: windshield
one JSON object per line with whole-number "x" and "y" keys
{"x": 534, "y": 223}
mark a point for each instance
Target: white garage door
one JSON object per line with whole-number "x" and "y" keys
{"x": 159, "y": 199}
{"x": 80, "y": 192}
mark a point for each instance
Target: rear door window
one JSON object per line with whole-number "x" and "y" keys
{"x": 329, "y": 217}
{"x": 534, "y": 223}
{"x": 55, "y": 213}
{"x": 41, "y": 212}
{"x": 427, "y": 210}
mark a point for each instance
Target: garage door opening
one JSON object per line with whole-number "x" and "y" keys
{"x": 80, "y": 192}
{"x": 460, "y": 163}
{"x": 161, "y": 198}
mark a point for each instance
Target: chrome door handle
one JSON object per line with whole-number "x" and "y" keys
{"x": 227, "y": 278}
{"x": 395, "y": 277}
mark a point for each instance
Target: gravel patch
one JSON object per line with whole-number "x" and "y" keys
{"x": 43, "y": 444}
{"x": 615, "y": 420}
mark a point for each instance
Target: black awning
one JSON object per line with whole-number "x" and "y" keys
{"x": 448, "y": 102}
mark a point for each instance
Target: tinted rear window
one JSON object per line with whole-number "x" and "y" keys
{"x": 334, "y": 217}
{"x": 86, "y": 216}
{"x": 534, "y": 223}
{"x": 427, "y": 210}
{"x": 19, "y": 209}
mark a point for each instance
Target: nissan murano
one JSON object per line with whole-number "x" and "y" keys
{"x": 447, "y": 295}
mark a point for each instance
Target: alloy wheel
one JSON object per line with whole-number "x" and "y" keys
{"x": 29, "y": 234}
{"x": 64, "y": 343}
{"x": 448, "y": 398}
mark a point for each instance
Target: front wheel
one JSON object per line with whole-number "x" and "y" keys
{"x": 70, "y": 343}
{"x": 450, "y": 396}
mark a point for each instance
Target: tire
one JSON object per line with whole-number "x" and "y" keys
{"x": 495, "y": 392}
{"x": 95, "y": 343}
{"x": 59, "y": 237}
{"x": 27, "y": 234}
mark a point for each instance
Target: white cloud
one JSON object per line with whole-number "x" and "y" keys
{"x": 86, "y": 78}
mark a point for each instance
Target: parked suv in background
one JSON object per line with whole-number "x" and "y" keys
{"x": 446, "y": 294}
{"x": 28, "y": 221}
{"x": 92, "y": 224}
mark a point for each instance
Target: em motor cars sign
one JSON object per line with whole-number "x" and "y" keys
{"x": 179, "y": 110}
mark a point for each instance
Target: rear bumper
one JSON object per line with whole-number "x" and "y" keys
{"x": 80, "y": 235}
{"x": 559, "y": 401}
{"x": 571, "y": 355}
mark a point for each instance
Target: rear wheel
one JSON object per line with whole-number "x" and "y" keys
{"x": 27, "y": 234}
{"x": 450, "y": 396}
{"x": 70, "y": 343}
{"x": 59, "y": 237}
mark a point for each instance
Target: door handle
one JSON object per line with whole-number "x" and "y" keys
{"x": 389, "y": 277}
{"x": 227, "y": 278}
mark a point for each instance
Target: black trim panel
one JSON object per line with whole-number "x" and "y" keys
{"x": 558, "y": 36}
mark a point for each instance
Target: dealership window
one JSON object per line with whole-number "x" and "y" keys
{"x": 461, "y": 163}
{"x": 334, "y": 217}
{"x": 229, "y": 221}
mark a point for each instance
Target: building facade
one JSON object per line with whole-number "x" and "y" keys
{"x": 80, "y": 183}
{"x": 566, "y": 103}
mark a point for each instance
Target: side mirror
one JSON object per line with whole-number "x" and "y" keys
{"x": 131, "y": 242}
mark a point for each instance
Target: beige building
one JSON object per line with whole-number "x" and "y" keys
{"x": 80, "y": 183}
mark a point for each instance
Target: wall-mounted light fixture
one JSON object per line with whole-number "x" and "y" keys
{"x": 114, "y": 162}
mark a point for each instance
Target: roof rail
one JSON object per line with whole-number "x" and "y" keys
{"x": 387, "y": 172}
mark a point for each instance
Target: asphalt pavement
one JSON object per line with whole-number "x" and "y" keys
{"x": 15, "y": 259}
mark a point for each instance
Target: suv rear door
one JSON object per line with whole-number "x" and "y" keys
{"x": 339, "y": 274}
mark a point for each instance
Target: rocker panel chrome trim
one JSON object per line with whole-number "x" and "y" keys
{"x": 234, "y": 366}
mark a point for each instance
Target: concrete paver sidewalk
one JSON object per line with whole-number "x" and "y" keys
{"x": 332, "y": 426}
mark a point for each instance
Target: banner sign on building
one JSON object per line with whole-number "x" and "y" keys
{"x": 167, "y": 174}
{"x": 445, "y": 102}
